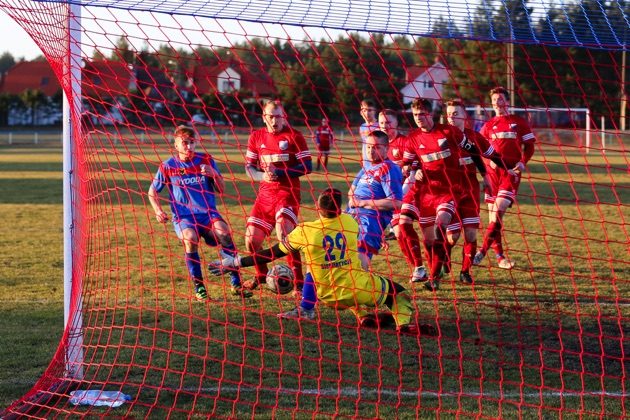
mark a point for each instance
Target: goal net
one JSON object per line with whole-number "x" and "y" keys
{"x": 546, "y": 337}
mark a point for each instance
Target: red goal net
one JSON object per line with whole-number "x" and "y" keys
{"x": 538, "y": 326}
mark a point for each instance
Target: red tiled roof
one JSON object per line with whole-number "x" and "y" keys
{"x": 30, "y": 75}
{"x": 106, "y": 78}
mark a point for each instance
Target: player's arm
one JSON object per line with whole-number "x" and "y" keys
{"x": 252, "y": 161}
{"x": 528, "y": 151}
{"x": 212, "y": 173}
{"x": 228, "y": 263}
{"x": 475, "y": 155}
{"x": 303, "y": 156}
{"x": 527, "y": 140}
{"x": 153, "y": 194}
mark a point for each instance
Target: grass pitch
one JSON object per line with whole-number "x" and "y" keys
{"x": 549, "y": 336}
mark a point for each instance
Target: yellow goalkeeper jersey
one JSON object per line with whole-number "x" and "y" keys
{"x": 330, "y": 251}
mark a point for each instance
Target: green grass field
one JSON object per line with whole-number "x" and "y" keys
{"x": 549, "y": 336}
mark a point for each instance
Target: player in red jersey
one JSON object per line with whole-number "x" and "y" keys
{"x": 432, "y": 200}
{"x": 324, "y": 138}
{"x": 513, "y": 139}
{"x": 468, "y": 207}
{"x": 388, "y": 122}
{"x": 277, "y": 156}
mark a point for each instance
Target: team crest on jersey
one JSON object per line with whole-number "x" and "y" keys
{"x": 182, "y": 171}
{"x": 442, "y": 144}
{"x": 283, "y": 144}
{"x": 513, "y": 125}
{"x": 396, "y": 153}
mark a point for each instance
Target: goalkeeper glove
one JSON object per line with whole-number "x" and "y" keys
{"x": 228, "y": 263}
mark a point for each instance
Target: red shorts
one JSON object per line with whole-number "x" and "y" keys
{"x": 468, "y": 206}
{"x": 502, "y": 185}
{"x": 423, "y": 204}
{"x": 270, "y": 208}
{"x": 410, "y": 202}
{"x": 323, "y": 146}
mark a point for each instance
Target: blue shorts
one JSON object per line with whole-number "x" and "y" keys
{"x": 200, "y": 223}
{"x": 370, "y": 236}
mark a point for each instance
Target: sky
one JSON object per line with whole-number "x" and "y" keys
{"x": 113, "y": 22}
{"x": 21, "y": 44}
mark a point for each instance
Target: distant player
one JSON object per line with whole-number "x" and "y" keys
{"x": 375, "y": 194}
{"x": 513, "y": 139}
{"x": 368, "y": 113}
{"x": 277, "y": 156}
{"x": 439, "y": 184}
{"x": 468, "y": 206}
{"x": 335, "y": 276}
{"x": 192, "y": 180}
{"x": 324, "y": 138}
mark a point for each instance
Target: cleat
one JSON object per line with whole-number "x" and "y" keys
{"x": 419, "y": 274}
{"x": 432, "y": 285}
{"x": 368, "y": 321}
{"x": 413, "y": 329}
{"x": 250, "y": 284}
{"x": 298, "y": 313}
{"x": 505, "y": 263}
{"x": 241, "y": 291}
{"x": 466, "y": 278}
{"x": 391, "y": 236}
{"x": 479, "y": 256}
{"x": 201, "y": 293}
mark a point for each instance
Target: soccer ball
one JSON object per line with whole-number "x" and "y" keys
{"x": 280, "y": 279}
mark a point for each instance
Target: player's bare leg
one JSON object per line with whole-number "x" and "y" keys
{"x": 435, "y": 237}
{"x": 254, "y": 238}
{"x": 190, "y": 240}
{"x": 470, "y": 248}
{"x": 493, "y": 234}
{"x": 284, "y": 226}
{"x": 224, "y": 239}
{"x": 502, "y": 205}
{"x": 409, "y": 242}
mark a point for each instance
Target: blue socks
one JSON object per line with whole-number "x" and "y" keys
{"x": 309, "y": 293}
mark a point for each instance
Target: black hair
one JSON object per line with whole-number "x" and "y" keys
{"x": 329, "y": 202}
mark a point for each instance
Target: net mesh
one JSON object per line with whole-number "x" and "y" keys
{"x": 548, "y": 336}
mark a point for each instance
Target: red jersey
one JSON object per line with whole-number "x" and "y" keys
{"x": 283, "y": 150}
{"x": 484, "y": 147}
{"x": 397, "y": 150}
{"x": 324, "y": 134}
{"x": 507, "y": 135}
{"x": 438, "y": 152}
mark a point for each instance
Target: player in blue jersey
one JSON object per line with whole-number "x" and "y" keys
{"x": 368, "y": 113}
{"x": 192, "y": 180}
{"x": 374, "y": 195}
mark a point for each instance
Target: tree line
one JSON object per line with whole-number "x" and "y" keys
{"x": 327, "y": 77}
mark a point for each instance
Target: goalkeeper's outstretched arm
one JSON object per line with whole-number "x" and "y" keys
{"x": 263, "y": 256}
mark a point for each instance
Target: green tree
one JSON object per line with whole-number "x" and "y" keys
{"x": 123, "y": 51}
{"x": 6, "y": 61}
{"x": 7, "y": 101}
{"x": 33, "y": 99}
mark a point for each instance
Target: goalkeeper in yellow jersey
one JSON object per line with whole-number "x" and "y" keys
{"x": 335, "y": 276}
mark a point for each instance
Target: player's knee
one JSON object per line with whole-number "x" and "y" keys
{"x": 453, "y": 236}
{"x": 470, "y": 234}
{"x": 225, "y": 239}
{"x": 190, "y": 246}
